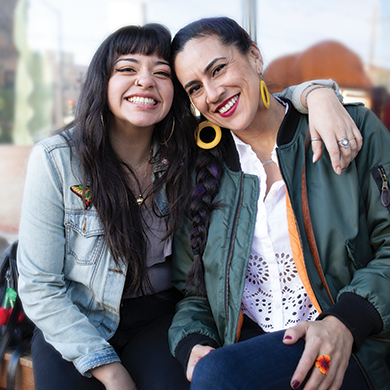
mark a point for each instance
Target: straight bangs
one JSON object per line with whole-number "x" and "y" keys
{"x": 151, "y": 39}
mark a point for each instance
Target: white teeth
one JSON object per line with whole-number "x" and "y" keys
{"x": 228, "y": 105}
{"x": 141, "y": 100}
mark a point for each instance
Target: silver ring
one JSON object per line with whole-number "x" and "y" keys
{"x": 352, "y": 138}
{"x": 137, "y": 83}
{"x": 343, "y": 142}
{"x": 315, "y": 139}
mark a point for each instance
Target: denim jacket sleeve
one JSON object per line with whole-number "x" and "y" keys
{"x": 43, "y": 285}
{"x": 294, "y": 92}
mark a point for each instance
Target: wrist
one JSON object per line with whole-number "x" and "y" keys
{"x": 309, "y": 90}
{"x": 302, "y": 88}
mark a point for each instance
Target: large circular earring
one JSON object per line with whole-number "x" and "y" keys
{"x": 264, "y": 93}
{"x": 205, "y": 138}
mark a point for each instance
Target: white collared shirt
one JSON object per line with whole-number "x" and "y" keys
{"x": 274, "y": 296}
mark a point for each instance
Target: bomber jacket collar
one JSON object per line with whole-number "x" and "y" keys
{"x": 285, "y": 135}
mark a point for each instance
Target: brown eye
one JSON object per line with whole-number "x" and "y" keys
{"x": 193, "y": 89}
{"x": 218, "y": 69}
{"x": 162, "y": 73}
{"x": 124, "y": 70}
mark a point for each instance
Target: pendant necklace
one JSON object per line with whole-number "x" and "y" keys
{"x": 140, "y": 198}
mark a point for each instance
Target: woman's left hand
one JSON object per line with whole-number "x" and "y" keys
{"x": 326, "y": 337}
{"x": 329, "y": 121}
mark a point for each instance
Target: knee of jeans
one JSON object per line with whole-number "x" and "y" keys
{"x": 211, "y": 371}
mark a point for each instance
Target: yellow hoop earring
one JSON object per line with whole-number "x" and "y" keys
{"x": 214, "y": 142}
{"x": 264, "y": 94}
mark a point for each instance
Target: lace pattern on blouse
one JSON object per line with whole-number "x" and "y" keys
{"x": 259, "y": 301}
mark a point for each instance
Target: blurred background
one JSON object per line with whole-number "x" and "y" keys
{"x": 46, "y": 45}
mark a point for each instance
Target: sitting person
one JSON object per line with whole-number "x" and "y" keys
{"x": 277, "y": 253}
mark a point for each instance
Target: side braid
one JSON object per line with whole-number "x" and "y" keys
{"x": 208, "y": 180}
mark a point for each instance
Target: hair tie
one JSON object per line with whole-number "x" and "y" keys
{"x": 196, "y": 251}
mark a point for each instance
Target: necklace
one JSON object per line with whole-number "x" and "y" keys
{"x": 140, "y": 198}
{"x": 267, "y": 162}
{"x": 144, "y": 160}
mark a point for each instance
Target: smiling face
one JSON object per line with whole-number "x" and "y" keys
{"x": 140, "y": 90}
{"x": 222, "y": 83}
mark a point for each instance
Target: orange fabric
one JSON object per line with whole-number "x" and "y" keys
{"x": 239, "y": 327}
{"x": 296, "y": 247}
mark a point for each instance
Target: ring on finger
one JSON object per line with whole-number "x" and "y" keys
{"x": 352, "y": 138}
{"x": 343, "y": 142}
{"x": 315, "y": 139}
{"x": 323, "y": 363}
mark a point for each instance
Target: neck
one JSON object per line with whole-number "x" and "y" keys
{"x": 132, "y": 145}
{"x": 262, "y": 133}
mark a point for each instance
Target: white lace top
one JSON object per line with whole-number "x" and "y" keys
{"x": 274, "y": 296}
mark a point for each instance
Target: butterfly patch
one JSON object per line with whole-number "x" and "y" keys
{"x": 78, "y": 190}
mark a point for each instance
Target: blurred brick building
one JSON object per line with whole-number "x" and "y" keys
{"x": 330, "y": 59}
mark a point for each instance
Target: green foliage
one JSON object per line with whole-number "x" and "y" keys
{"x": 7, "y": 104}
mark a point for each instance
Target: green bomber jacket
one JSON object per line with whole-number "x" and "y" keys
{"x": 351, "y": 224}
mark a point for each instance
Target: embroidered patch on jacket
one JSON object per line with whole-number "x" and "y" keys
{"x": 78, "y": 190}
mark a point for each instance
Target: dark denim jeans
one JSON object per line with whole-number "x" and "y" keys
{"x": 262, "y": 362}
{"x": 141, "y": 342}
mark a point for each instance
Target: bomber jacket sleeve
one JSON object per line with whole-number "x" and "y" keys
{"x": 193, "y": 322}
{"x": 371, "y": 280}
{"x": 364, "y": 305}
{"x": 41, "y": 265}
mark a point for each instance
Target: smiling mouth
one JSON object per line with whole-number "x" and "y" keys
{"x": 228, "y": 105}
{"x": 141, "y": 100}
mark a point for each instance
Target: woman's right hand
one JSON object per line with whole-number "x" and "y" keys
{"x": 114, "y": 376}
{"x": 197, "y": 353}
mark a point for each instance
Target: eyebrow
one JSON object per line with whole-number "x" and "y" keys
{"x": 207, "y": 68}
{"x": 137, "y": 62}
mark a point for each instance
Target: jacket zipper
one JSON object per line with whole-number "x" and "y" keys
{"x": 385, "y": 194}
{"x": 231, "y": 247}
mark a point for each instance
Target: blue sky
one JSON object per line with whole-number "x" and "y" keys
{"x": 283, "y": 27}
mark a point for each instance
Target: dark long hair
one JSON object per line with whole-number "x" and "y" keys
{"x": 102, "y": 169}
{"x": 209, "y": 168}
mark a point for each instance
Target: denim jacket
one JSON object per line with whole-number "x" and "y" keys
{"x": 69, "y": 284}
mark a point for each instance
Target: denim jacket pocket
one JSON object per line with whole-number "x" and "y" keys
{"x": 84, "y": 235}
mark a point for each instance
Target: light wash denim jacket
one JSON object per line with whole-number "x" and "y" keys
{"x": 69, "y": 284}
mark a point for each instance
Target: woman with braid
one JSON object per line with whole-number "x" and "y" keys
{"x": 285, "y": 265}
{"x": 102, "y": 200}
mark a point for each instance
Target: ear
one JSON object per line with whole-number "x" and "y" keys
{"x": 255, "y": 54}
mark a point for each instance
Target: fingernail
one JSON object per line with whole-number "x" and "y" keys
{"x": 295, "y": 384}
{"x": 287, "y": 337}
{"x": 338, "y": 170}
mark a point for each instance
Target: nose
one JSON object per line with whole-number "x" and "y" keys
{"x": 213, "y": 92}
{"x": 144, "y": 80}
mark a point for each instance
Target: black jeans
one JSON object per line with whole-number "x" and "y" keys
{"x": 141, "y": 342}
